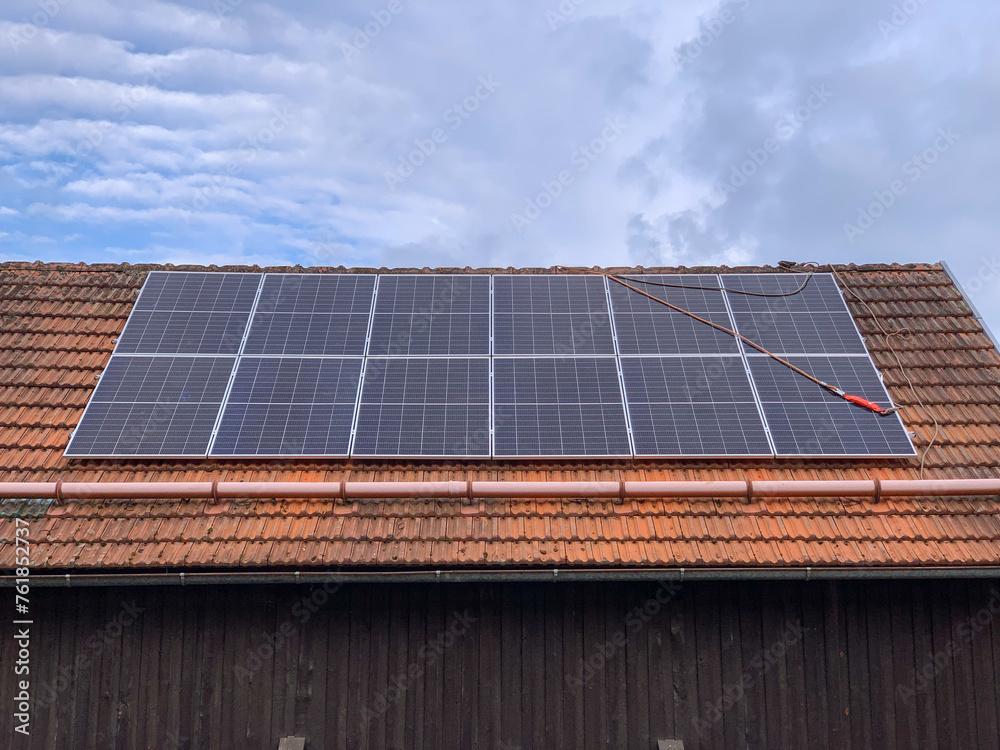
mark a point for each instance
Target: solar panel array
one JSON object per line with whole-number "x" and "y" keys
{"x": 479, "y": 366}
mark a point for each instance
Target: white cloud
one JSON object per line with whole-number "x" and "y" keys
{"x": 191, "y": 160}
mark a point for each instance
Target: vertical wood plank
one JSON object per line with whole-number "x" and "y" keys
{"x": 636, "y": 619}
{"x": 923, "y": 652}
{"x": 713, "y": 710}
{"x": 880, "y": 647}
{"x": 858, "y": 667}
{"x": 961, "y": 664}
{"x": 944, "y": 681}
{"x": 814, "y": 651}
{"x": 338, "y": 625}
{"x": 983, "y": 673}
{"x": 381, "y": 699}
{"x": 902, "y": 647}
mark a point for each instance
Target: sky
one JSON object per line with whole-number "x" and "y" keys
{"x": 503, "y": 133}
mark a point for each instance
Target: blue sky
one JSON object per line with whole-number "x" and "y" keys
{"x": 497, "y": 133}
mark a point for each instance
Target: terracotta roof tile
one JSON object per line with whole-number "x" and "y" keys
{"x": 57, "y": 328}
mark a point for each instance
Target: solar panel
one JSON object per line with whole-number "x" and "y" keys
{"x": 814, "y": 321}
{"x": 431, "y": 314}
{"x": 198, "y": 291}
{"x": 424, "y": 407}
{"x": 692, "y": 406}
{"x": 190, "y": 313}
{"x": 644, "y": 326}
{"x": 806, "y": 419}
{"x": 289, "y": 406}
{"x": 516, "y": 365}
{"x": 548, "y": 314}
{"x": 569, "y": 406}
{"x": 153, "y": 406}
{"x": 316, "y": 314}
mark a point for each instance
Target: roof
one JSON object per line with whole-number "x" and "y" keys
{"x": 58, "y": 322}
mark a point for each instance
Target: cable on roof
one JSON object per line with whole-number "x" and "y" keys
{"x": 802, "y": 286}
{"x": 902, "y": 333}
{"x": 834, "y": 389}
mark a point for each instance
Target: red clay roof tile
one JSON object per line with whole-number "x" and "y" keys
{"x": 58, "y": 322}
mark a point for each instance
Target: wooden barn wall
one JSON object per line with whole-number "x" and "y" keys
{"x": 719, "y": 665}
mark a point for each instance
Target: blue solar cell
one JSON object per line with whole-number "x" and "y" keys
{"x": 289, "y": 406}
{"x": 167, "y": 291}
{"x": 644, "y": 326}
{"x": 545, "y": 314}
{"x": 431, "y": 314}
{"x": 316, "y": 293}
{"x": 558, "y": 406}
{"x": 806, "y": 419}
{"x": 814, "y": 321}
{"x": 698, "y": 406}
{"x": 316, "y": 314}
{"x": 152, "y": 406}
{"x": 182, "y": 332}
{"x": 424, "y": 407}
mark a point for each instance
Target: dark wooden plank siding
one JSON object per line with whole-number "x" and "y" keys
{"x": 847, "y": 666}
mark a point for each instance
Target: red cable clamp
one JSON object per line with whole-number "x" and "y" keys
{"x": 870, "y": 405}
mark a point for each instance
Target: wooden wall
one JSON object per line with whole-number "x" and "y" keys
{"x": 720, "y": 665}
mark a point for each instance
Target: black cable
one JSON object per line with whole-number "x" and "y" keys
{"x": 722, "y": 288}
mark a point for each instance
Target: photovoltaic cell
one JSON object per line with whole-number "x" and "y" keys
{"x": 549, "y": 314}
{"x": 183, "y": 332}
{"x": 568, "y": 406}
{"x": 692, "y": 406}
{"x": 289, "y": 406}
{"x": 424, "y": 407}
{"x": 167, "y": 291}
{"x": 814, "y": 321}
{"x": 806, "y": 419}
{"x": 316, "y": 314}
{"x": 647, "y": 327}
{"x": 431, "y": 314}
{"x": 153, "y": 406}
{"x": 190, "y": 313}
